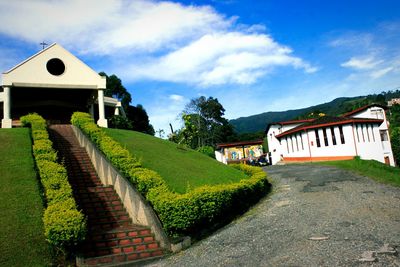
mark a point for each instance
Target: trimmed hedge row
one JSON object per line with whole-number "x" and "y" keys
{"x": 64, "y": 225}
{"x": 180, "y": 214}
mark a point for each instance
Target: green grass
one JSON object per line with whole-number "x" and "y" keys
{"x": 181, "y": 168}
{"x": 22, "y": 241}
{"x": 370, "y": 168}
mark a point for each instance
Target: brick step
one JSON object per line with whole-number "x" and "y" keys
{"x": 109, "y": 226}
{"x": 133, "y": 231}
{"x": 102, "y": 249}
{"x": 107, "y": 205}
{"x": 104, "y": 213}
{"x": 95, "y": 221}
{"x": 111, "y": 260}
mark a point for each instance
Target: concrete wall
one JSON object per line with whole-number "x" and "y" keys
{"x": 136, "y": 205}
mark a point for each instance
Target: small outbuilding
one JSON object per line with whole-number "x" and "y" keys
{"x": 53, "y": 83}
{"x": 238, "y": 151}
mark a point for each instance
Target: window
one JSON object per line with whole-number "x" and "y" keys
{"x": 317, "y": 138}
{"x": 372, "y": 132}
{"x": 362, "y": 132}
{"x": 55, "y": 66}
{"x": 333, "y": 136}
{"x": 325, "y": 137}
{"x": 341, "y": 134}
{"x": 301, "y": 138}
{"x": 384, "y": 136}
{"x": 358, "y": 135}
{"x": 366, "y": 126}
{"x": 291, "y": 141}
{"x": 287, "y": 144}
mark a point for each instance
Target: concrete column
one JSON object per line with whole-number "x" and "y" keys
{"x": 6, "y": 122}
{"x": 102, "y": 122}
{"x": 116, "y": 111}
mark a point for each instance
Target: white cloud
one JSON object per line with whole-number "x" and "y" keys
{"x": 161, "y": 40}
{"x": 220, "y": 58}
{"x": 90, "y": 26}
{"x": 361, "y": 63}
{"x": 177, "y": 98}
{"x": 379, "y": 73}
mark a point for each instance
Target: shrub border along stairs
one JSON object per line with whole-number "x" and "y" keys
{"x": 180, "y": 214}
{"x": 64, "y": 225}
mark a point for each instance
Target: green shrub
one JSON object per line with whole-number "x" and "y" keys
{"x": 119, "y": 122}
{"x": 180, "y": 214}
{"x": 64, "y": 225}
{"x": 207, "y": 150}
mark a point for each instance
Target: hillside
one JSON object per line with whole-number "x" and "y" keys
{"x": 182, "y": 168}
{"x": 256, "y": 123}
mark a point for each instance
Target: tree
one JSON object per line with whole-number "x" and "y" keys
{"x": 204, "y": 124}
{"x": 137, "y": 118}
{"x": 140, "y": 119}
{"x": 116, "y": 89}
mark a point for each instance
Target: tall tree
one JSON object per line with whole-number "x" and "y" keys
{"x": 137, "y": 118}
{"x": 116, "y": 89}
{"x": 204, "y": 123}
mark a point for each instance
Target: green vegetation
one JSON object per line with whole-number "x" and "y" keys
{"x": 337, "y": 106}
{"x": 198, "y": 208}
{"x": 22, "y": 242}
{"x": 370, "y": 168}
{"x": 180, "y": 167}
{"x": 64, "y": 225}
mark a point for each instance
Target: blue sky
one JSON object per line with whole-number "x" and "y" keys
{"x": 254, "y": 56}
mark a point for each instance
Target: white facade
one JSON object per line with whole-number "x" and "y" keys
{"x": 361, "y": 133}
{"x": 52, "y": 68}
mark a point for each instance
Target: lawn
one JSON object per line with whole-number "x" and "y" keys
{"x": 180, "y": 167}
{"x": 370, "y": 168}
{"x": 22, "y": 241}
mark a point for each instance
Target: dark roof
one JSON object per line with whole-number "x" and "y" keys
{"x": 358, "y": 110}
{"x": 287, "y": 123}
{"x": 327, "y": 121}
{"x": 243, "y": 143}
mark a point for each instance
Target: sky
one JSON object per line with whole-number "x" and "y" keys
{"x": 254, "y": 56}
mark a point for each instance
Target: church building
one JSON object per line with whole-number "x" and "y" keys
{"x": 54, "y": 83}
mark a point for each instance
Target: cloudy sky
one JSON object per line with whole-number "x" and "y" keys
{"x": 253, "y": 55}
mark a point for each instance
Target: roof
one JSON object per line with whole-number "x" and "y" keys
{"x": 358, "y": 110}
{"x": 243, "y": 143}
{"x": 327, "y": 121}
{"x": 287, "y": 123}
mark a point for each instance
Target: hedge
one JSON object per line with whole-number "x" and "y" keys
{"x": 180, "y": 214}
{"x": 64, "y": 225}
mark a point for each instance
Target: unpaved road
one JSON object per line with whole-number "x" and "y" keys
{"x": 349, "y": 215}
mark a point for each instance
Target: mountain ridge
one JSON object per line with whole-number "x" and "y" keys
{"x": 338, "y": 106}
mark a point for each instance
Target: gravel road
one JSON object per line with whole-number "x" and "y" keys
{"x": 315, "y": 216}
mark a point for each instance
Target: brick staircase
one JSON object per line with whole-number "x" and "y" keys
{"x": 112, "y": 237}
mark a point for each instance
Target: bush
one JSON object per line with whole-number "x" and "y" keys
{"x": 120, "y": 122}
{"x": 180, "y": 214}
{"x": 64, "y": 225}
{"x": 395, "y": 140}
{"x": 207, "y": 150}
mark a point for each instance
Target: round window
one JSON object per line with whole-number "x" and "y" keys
{"x": 55, "y": 66}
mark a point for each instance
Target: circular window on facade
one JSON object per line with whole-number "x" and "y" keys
{"x": 55, "y": 66}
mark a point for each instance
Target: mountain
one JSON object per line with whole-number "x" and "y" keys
{"x": 259, "y": 122}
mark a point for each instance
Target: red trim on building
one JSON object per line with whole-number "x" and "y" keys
{"x": 358, "y": 110}
{"x": 348, "y": 121}
{"x": 328, "y": 158}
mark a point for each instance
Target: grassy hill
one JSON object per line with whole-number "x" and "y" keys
{"x": 336, "y": 107}
{"x": 182, "y": 168}
{"x": 22, "y": 241}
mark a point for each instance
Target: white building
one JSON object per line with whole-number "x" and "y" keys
{"x": 53, "y": 83}
{"x": 362, "y": 132}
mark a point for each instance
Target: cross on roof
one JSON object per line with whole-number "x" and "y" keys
{"x": 43, "y": 44}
